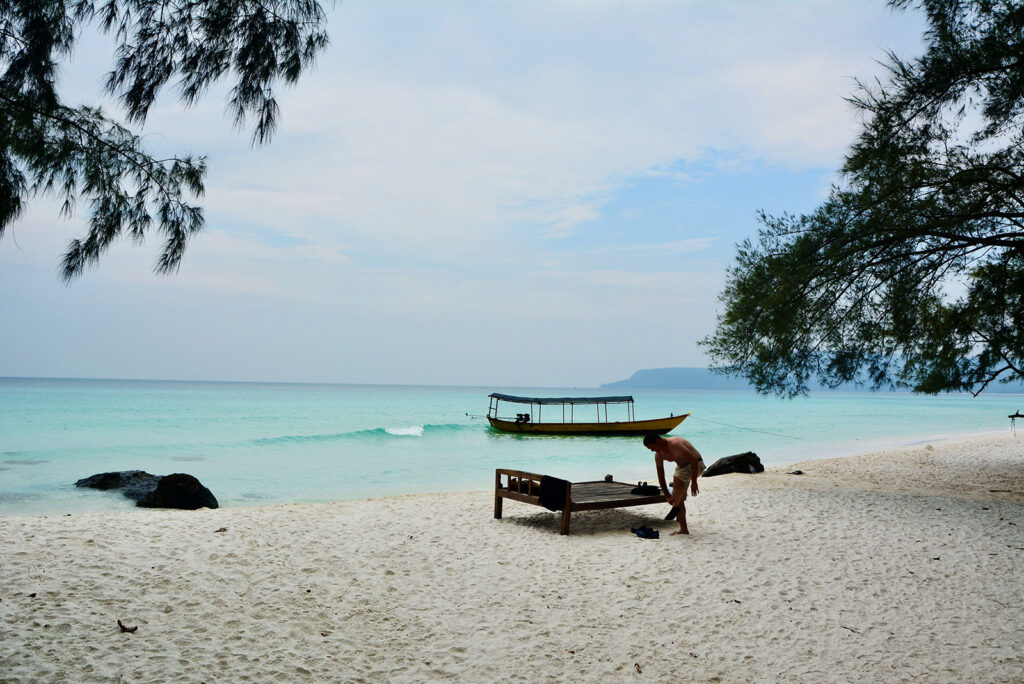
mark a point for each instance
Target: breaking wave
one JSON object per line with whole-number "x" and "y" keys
{"x": 372, "y": 434}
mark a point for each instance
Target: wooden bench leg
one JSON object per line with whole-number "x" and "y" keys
{"x": 567, "y": 508}
{"x": 497, "y": 497}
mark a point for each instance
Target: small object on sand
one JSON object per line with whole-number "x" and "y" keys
{"x": 223, "y": 529}
{"x": 130, "y": 630}
{"x": 636, "y": 666}
{"x": 645, "y": 532}
{"x": 796, "y": 472}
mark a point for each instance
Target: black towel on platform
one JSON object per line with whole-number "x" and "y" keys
{"x": 552, "y": 492}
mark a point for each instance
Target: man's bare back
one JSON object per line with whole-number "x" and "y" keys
{"x": 689, "y": 466}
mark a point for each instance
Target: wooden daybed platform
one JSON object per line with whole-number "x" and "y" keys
{"x": 579, "y": 496}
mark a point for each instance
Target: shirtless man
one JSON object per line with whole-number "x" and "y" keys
{"x": 689, "y": 466}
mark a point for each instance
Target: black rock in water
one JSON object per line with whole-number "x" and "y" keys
{"x": 740, "y": 463}
{"x": 178, "y": 490}
{"x": 135, "y": 483}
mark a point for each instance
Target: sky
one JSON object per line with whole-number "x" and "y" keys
{"x": 516, "y": 193}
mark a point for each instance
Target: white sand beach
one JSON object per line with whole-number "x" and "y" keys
{"x": 902, "y": 565}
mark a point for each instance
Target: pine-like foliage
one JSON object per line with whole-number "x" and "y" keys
{"x": 80, "y": 153}
{"x": 912, "y": 272}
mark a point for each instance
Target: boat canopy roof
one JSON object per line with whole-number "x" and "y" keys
{"x": 563, "y": 400}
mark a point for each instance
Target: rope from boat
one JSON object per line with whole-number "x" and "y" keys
{"x": 740, "y": 427}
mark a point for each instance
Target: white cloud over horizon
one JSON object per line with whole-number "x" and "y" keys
{"x": 489, "y": 171}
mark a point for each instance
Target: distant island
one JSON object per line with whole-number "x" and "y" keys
{"x": 691, "y": 378}
{"x": 678, "y": 378}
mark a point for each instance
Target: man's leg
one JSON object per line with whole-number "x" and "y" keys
{"x": 679, "y": 494}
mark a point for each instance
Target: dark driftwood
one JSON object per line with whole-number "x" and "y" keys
{"x": 579, "y": 496}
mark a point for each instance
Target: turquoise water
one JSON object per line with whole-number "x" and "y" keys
{"x": 254, "y": 444}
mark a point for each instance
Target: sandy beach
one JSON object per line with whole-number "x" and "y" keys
{"x": 903, "y": 565}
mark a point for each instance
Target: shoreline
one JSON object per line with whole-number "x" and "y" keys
{"x": 95, "y": 501}
{"x": 890, "y": 566}
{"x": 987, "y": 443}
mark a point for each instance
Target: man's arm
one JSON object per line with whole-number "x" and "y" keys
{"x": 661, "y": 477}
{"x": 693, "y": 456}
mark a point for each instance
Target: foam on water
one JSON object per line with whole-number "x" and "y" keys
{"x": 411, "y": 431}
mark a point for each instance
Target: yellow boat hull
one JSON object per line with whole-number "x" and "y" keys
{"x": 630, "y": 427}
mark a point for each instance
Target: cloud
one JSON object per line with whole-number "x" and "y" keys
{"x": 686, "y": 246}
{"x": 446, "y": 169}
{"x": 683, "y": 284}
{"x": 528, "y": 114}
{"x": 565, "y": 221}
{"x": 424, "y": 125}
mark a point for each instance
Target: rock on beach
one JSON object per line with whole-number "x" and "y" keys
{"x": 177, "y": 490}
{"x": 747, "y": 462}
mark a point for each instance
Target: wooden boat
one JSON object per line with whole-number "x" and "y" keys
{"x": 533, "y": 423}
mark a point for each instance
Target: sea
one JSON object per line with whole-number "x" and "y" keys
{"x": 257, "y": 444}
